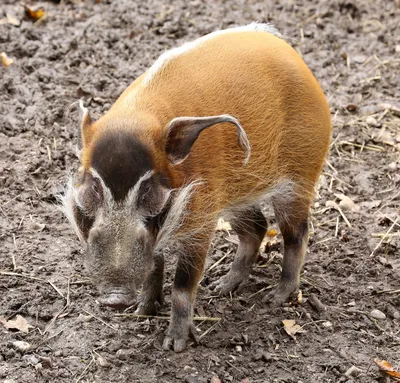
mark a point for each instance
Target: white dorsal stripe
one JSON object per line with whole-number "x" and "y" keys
{"x": 175, "y": 52}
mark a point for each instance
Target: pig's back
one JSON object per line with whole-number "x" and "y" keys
{"x": 259, "y": 79}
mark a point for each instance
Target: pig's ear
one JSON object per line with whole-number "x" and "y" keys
{"x": 86, "y": 126}
{"x": 184, "y": 131}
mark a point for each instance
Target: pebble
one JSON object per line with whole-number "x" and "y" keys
{"x": 238, "y": 348}
{"x": 353, "y": 371}
{"x": 377, "y": 314}
{"x": 267, "y": 356}
{"x": 392, "y": 312}
{"x": 103, "y": 362}
{"x": 4, "y": 368}
{"x": 31, "y": 360}
{"x": 382, "y": 260}
{"x": 371, "y": 121}
{"x": 327, "y": 324}
{"x": 215, "y": 379}
{"x": 189, "y": 369}
{"x": 21, "y": 345}
{"x": 123, "y": 354}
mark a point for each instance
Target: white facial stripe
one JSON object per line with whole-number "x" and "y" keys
{"x": 84, "y": 111}
{"x": 67, "y": 207}
{"x": 107, "y": 195}
{"x": 176, "y": 215}
{"x": 175, "y": 52}
{"x": 134, "y": 192}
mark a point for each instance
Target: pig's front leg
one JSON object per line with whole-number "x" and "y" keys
{"x": 151, "y": 297}
{"x": 187, "y": 276}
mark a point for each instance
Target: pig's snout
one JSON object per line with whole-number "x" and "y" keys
{"x": 117, "y": 298}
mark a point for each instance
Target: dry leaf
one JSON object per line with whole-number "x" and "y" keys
{"x": 346, "y": 203}
{"x": 5, "y": 60}
{"x": 19, "y": 323}
{"x": 223, "y": 225}
{"x": 271, "y": 233}
{"x": 11, "y": 19}
{"x": 34, "y": 14}
{"x": 292, "y": 328}
{"x": 388, "y": 369}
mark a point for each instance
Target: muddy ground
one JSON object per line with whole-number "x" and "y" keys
{"x": 93, "y": 50}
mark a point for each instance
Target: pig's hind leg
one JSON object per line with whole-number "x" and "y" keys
{"x": 292, "y": 216}
{"x": 250, "y": 226}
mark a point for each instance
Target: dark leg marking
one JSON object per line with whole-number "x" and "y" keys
{"x": 250, "y": 227}
{"x": 293, "y": 222}
{"x": 152, "y": 296}
{"x": 188, "y": 273}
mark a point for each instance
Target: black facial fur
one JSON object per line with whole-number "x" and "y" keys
{"x": 121, "y": 159}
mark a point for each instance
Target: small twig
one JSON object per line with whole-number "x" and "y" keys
{"x": 388, "y": 292}
{"x": 47, "y": 339}
{"x": 101, "y": 320}
{"x": 337, "y": 227}
{"x": 13, "y": 254}
{"x": 218, "y": 262}
{"x": 325, "y": 240}
{"x": 208, "y": 330}
{"x": 80, "y": 282}
{"x": 63, "y": 309}
{"x": 84, "y": 371}
{"x": 139, "y": 316}
{"x": 380, "y": 235}
{"x": 20, "y": 222}
{"x": 10, "y": 273}
{"x": 56, "y": 288}
{"x": 382, "y": 239}
{"x": 335, "y": 206}
{"x": 12, "y": 199}
{"x": 374, "y": 148}
{"x": 338, "y": 179}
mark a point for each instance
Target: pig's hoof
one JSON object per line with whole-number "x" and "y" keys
{"x": 281, "y": 293}
{"x": 149, "y": 304}
{"x": 148, "y": 308}
{"x": 176, "y": 340}
{"x": 229, "y": 282}
{"x": 177, "y": 345}
{"x": 226, "y": 284}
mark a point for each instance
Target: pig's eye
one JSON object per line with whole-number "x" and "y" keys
{"x": 150, "y": 222}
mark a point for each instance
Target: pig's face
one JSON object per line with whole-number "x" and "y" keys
{"x": 118, "y": 235}
{"x": 119, "y": 256}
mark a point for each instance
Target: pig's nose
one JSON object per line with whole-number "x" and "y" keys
{"x": 118, "y": 299}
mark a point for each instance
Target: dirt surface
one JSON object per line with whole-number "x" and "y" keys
{"x": 93, "y": 51}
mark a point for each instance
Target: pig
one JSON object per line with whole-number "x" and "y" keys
{"x": 214, "y": 128}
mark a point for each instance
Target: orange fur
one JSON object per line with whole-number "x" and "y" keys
{"x": 272, "y": 93}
